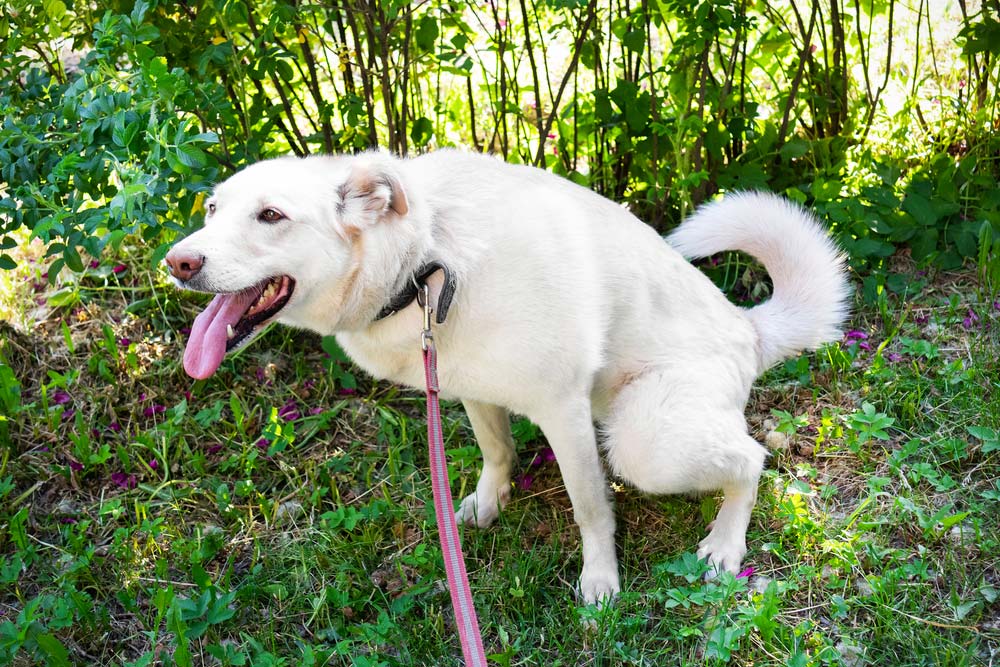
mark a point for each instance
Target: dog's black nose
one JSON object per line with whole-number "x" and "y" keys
{"x": 184, "y": 267}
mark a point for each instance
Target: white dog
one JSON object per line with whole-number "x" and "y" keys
{"x": 567, "y": 309}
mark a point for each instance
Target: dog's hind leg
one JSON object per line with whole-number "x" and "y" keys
{"x": 725, "y": 545}
{"x": 667, "y": 434}
{"x": 491, "y": 425}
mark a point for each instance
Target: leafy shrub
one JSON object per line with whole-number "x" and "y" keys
{"x": 657, "y": 104}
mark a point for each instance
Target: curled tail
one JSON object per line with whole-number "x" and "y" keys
{"x": 811, "y": 296}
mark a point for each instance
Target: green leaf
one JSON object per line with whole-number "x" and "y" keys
{"x": 990, "y": 438}
{"x": 53, "y": 649}
{"x": 634, "y": 40}
{"x": 422, "y": 131}
{"x": 924, "y": 244}
{"x": 795, "y": 148}
{"x": 982, "y": 432}
{"x": 63, "y": 298}
{"x": 920, "y": 208}
{"x": 798, "y": 487}
{"x": 427, "y": 32}
{"x": 7, "y": 262}
{"x": 285, "y": 70}
{"x": 798, "y": 659}
{"x": 55, "y": 9}
{"x": 72, "y": 257}
{"x": 191, "y": 156}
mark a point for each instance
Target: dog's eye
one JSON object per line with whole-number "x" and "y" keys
{"x": 211, "y": 208}
{"x": 270, "y": 215}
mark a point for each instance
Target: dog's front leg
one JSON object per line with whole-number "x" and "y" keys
{"x": 491, "y": 425}
{"x": 569, "y": 429}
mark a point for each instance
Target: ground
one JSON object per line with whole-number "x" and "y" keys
{"x": 280, "y": 512}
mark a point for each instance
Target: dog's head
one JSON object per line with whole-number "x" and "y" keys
{"x": 280, "y": 243}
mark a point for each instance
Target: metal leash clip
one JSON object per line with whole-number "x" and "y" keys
{"x": 424, "y": 300}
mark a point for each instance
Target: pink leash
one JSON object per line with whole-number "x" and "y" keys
{"x": 454, "y": 561}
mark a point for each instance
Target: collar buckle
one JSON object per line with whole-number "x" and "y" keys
{"x": 424, "y": 301}
{"x": 412, "y": 290}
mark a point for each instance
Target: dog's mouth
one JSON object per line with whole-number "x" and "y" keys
{"x": 231, "y": 321}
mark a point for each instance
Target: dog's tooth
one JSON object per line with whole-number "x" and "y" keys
{"x": 230, "y": 332}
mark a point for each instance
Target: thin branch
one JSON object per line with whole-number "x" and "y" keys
{"x": 797, "y": 79}
{"x": 534, "y": 76}
{"x": 584, "y": 29}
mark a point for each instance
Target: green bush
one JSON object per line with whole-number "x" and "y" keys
{"x": 656, "y": 104}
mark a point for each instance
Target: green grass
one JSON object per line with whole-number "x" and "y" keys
{"x": 275, "y": 515}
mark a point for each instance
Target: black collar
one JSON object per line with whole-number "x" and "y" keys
{"x": 408, "y": 294}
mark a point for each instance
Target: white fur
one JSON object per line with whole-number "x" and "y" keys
{"x": 569, "y": 310}
{"x": 811, "y": 292}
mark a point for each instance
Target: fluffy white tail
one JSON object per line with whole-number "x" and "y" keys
{"x": 811, "y": 292}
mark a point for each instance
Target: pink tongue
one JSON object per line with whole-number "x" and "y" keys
{"x": 207, "y": 344}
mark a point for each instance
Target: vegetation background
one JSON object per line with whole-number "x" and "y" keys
{"x": 276, "y": 514}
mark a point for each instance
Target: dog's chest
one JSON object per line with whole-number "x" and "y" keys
{"x": 401, "y": 363}
{"x": 465, "y": 370}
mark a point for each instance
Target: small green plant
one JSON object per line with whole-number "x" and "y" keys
{"x": 868, "y": 424}
{"x": 788, "y": 423}
{"x": 988, "y": 437}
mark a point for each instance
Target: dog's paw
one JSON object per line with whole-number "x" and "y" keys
{"x": 598, "y": 586}
{"x": 724, "y": 553}
{"x": 482, "y": 511}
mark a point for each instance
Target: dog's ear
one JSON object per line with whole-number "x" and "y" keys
{"x": 371, "y": 192}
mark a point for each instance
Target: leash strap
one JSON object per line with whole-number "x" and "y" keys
{"x": 454, "y": 561}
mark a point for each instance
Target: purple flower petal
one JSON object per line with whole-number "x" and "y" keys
{"x": 94, "y": 264}
{"x": 75, "y": 465}
{"x": 316, "y": 411}
{"x": 154, "y": 464}
{"x": 865, "y": 346}
{"x": 289, "y": 411}
{"x": 60, "y": 397}
{"x": 115, "y": 426}
{"x": 119, "y": 268}
{"x": 68, "y": 414}
{"x": 524, "y": 482}
{"x": 123, "y": 342}
{"x": 214, "y": 449}
{"x": 747, "y": 572}
{"x": 154, "y": 409}
{"x": 854, "y": 335}
{"x": 346, "y": 391}
{"x": 123, "y": 480}
{"x": 894, "y": 357}
{"x": 262, "y": 443}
